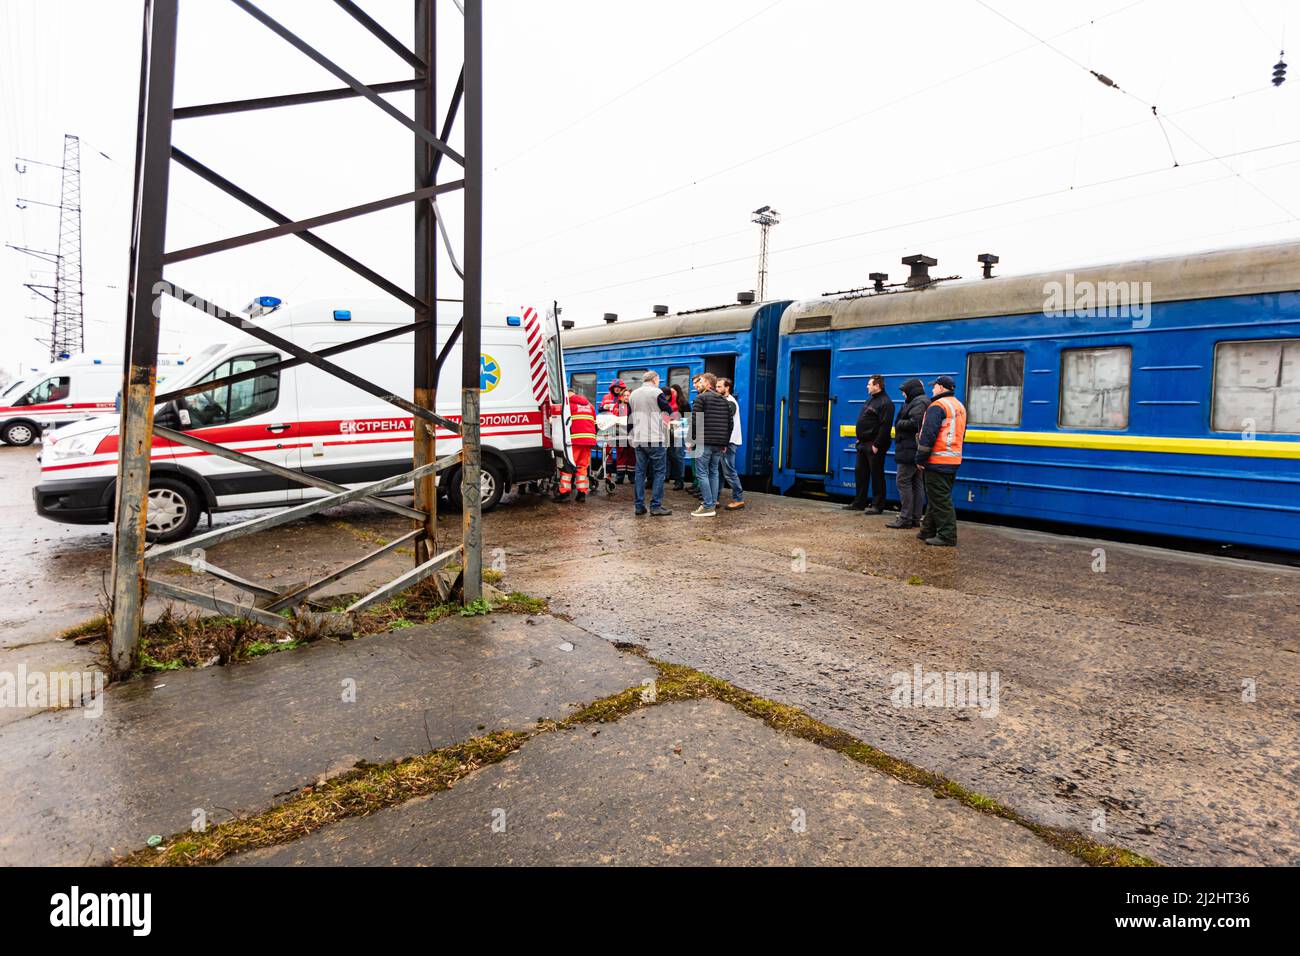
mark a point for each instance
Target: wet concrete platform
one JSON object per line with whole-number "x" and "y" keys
{"x": 1126, "y": 694}
{"x": 231, "y": 740}
{"x": 692, "y": 783}
{"x": 1154, "y": 703}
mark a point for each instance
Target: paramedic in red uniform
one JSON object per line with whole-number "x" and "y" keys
{"x": 938, "y": 452}
{"x": 620, "y": 456}
{"x": 582, "y": 436}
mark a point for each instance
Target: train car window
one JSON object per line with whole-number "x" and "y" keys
{"x": 996, "y": 385}
{"x": 1257, "y": 387}
{"x": 584, "y": 383}
{"x": 1095, "y": 387}
{"x": 680, "y": 375}
{"x": 632, "y": 377}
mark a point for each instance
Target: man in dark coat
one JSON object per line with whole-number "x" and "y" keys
{"x": 875, "y": 422}
{"x": 712, "y": 416}
{"x": 911, "y": 485}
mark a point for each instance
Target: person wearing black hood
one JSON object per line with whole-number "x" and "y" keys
{"x": 911, "y": 484}
{"x": 875, "y": 422}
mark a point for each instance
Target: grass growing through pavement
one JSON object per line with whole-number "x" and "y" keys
{"x": 369, "y": 789}
{"x": 178, "y": 640}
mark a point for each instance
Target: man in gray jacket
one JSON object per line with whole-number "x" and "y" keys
{"x": 648, "y": 416}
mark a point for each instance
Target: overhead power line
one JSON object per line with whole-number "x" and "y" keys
{"x": 634, "y": 87}
{"x": 974, "y": 209}
{"x": 903, "y": 187}
{"x": 839, "y": 124}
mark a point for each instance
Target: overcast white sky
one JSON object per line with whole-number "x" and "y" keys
{"x": 628, "y": 142}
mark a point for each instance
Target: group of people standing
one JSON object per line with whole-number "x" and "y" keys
{"x": 927, "y": 435}
{"x": 657, "y": 429}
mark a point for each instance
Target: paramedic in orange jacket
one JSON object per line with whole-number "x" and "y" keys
{"x": 582, "y": 436}
{"x": 938, "y": 452}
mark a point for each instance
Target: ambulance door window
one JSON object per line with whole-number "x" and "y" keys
{"x": 231, "y": 403}
{"x": 51, "y": 390}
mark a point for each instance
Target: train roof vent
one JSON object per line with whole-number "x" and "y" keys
{"x": 611, "y": 318}
{"x": 661, "y": 310}
{"x": 745, "y": 298}
{"x": 878, "y": 280}
{"x": 920, "y": 265}
{"x": 812, "y": 323}
{"x": 988, "y": 260}
{"x": 566, "y": 324}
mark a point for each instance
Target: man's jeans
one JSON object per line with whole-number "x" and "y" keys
{"x": 707, "y": 466}
{"x": 654, "y": 460}
{"x": 730, "y": 475}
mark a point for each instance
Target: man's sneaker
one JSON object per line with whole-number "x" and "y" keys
{"x": 873, "y": 511}
{"x": 735, "y": 505}
{"x": 640, "y": 512}
{"x": 940, "y": 543}
{"x": 703, "y": 512}
{"x": 900, "y": 523}
{"x": 851, "y": 507}
{"x": 922, "y": 536}
{"x": 660, "y": 512}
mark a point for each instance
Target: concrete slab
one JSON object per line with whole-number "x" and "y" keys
{"x": 684, "y": 784}
{"x": 1121, "y": 692}
{"x": 230, "y": 740}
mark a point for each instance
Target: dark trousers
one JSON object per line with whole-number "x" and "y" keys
{"x": 870, "y": 478}
{"x": 940, "y": 519}
{"x": 911, "y": 493}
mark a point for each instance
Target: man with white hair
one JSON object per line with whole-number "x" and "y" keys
{"x": 648, "y": 419}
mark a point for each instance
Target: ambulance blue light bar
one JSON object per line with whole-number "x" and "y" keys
{"x": 262, "y": 305}
{"x": 342, "y": 315}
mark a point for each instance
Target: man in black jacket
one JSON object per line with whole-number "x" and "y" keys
{"x": 875, "y": 422}
{"x": 911, "y": 486}
{"x": 711, "y": 415}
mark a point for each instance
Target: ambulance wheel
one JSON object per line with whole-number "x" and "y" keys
{"x": 174, "y": 510}
{"x": 19, "y": 433}
{"x": 492, "y": 485}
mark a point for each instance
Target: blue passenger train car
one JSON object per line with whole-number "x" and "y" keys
{"x": 735, "y": 341}
{"x": 1158, "y": 396}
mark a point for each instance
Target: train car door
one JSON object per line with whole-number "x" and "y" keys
{"x": 810, "y": 384}
{"x": 723, "y": 366}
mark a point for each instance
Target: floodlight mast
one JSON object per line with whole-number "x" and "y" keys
{"x": 765, "y": 217}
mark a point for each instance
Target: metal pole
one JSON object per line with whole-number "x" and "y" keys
{"x": 149, "y": 225}
{"x": 426, "y": 278}
{"x": 471, "y": 335}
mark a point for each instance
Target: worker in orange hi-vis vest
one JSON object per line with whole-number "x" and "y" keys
{"x": 582, "y": 437}
{"x": 938, "y": 454}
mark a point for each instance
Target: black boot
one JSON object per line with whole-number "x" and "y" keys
{"x": 580, "y": 497}
{"x": 561, "y": 498}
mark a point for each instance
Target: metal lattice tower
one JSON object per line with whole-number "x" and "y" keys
{"x": 766, "y": 217}
{"x": 68, "y": 335}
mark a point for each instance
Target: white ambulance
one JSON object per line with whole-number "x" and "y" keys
{"x": 70, "y": 390}
{"x": 306, "y": 419}
{"x": 78, "y": 387}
